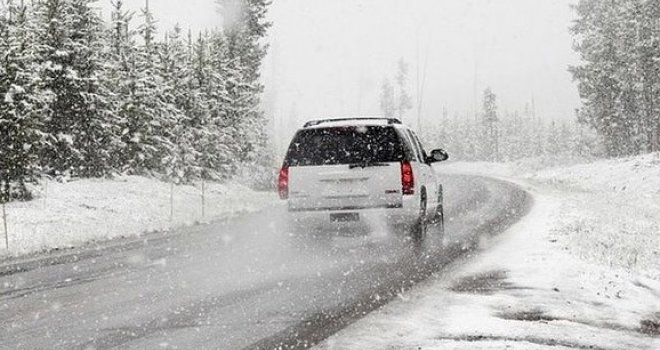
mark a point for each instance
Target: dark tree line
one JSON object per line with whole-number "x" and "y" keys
{"x": 619, "y": 77}
{"x": 509, "y": 136}
{"x": 83, "y": 97}
{"x": 395, "y": 101}
{"x": 618, "y": 80}
{"x": 519, "y": 137}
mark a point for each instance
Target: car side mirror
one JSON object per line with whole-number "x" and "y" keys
{"x": 438, "y": 155}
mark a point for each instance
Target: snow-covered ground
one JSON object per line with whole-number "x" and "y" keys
{"x": 582, "y": 270}
{"x": 70, "y": 214}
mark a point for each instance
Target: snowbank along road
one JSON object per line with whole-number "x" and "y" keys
{"x": 240, "y": 284}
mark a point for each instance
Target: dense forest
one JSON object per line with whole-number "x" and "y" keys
{"x": 618, "y": 80}
{"x": 492, "y": 135}
{"x": 510, "y": 136}
{"x": 86, "y": 96}
{"x": 83, "y": 96}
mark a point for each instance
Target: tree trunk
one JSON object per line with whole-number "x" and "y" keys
{"x": 171, "y": 201}
{"x": 203, "y": 198}
{"x": 4, "y": 224}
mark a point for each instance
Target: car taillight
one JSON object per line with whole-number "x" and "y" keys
{"x": 407, "y": 178}
{"x": 283, "y": 183}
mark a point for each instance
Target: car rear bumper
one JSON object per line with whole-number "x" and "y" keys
{"x": 353, "y": 219}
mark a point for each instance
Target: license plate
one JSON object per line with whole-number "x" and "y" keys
{"x": 345, "y": 217}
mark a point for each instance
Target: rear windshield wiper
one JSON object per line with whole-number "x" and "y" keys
{"x": 366, "y": 165}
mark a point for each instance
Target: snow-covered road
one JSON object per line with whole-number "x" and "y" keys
{"x": 580, "y": 271}
{"x": 242, "y": 283}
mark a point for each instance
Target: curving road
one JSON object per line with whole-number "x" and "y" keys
{"x": 240, "y": 284}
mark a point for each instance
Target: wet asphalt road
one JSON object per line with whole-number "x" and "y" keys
{"x": 241, "y": 284}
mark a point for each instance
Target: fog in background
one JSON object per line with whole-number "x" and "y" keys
{"x": 329, "y": 57}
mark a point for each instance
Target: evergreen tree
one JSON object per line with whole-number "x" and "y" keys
{"x": 181, "y": 92}
{"x": 387, "y": 102}
{"x": 60, "y": 85}
{"x": 213, "y": 139}
{"x": 553, "y": 141}
{"x": 245, "y": 26}
{"x": 618, "y": 81}
{"x": 94, "y": 130}
{"x": 145, "y": 117}
{"x": 648, "y": 53}
{"x": 490, "y": 126}
{"x": 220, "y": 77}
{"x": 520, "y": 137}
{"x": 404, "y": 101}
{"x": 568, "y": 140}
{"x": 79, "y": 98}
{"x": 20, "y": 128}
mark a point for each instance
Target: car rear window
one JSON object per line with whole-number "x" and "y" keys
{"x": 345, "y": 145}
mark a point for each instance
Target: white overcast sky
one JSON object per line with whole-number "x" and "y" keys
{"x": 329, "y": 57}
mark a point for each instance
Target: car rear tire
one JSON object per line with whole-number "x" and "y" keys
{"x": 418, "y": 229}
{"x": 439, "y": 219}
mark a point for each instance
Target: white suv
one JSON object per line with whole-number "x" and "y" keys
{"x": 360, "y": 172}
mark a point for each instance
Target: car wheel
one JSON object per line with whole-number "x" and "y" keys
{"x": 439, "y": 217}
{"x": 440, "y": 212}
{"x": 440, "y": 220}
{"x": 418, "y": 229}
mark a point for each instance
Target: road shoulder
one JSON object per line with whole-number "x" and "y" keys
{"x": 72, "y": 214}
{"x": 103, "y": 246}
{"x": 522, "y": 290}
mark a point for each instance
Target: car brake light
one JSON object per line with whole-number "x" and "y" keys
{"x": 283, "y": 183}
{"x": 407, "y": 178}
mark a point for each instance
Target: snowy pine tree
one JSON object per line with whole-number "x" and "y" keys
{"x": 387, "y": 102}
{"x": 20, "y": 108}
{"x": 59, "y": 86}
{"x": 175, "y": 66}
{"x": 95, "y": 126}
{"x": 79, "y": 98}
{"x": 403, "y": 99}
{"x": 490, "y": 126}
{"x": 553, "y": 142}
{"x": 213, "y": 140}
{"x": 145, "y": 117}
{"x": 244, "y": 28}
{"x": 618, "y": 80}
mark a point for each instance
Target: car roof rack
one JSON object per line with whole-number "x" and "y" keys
{"x": 321, "y": 121}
